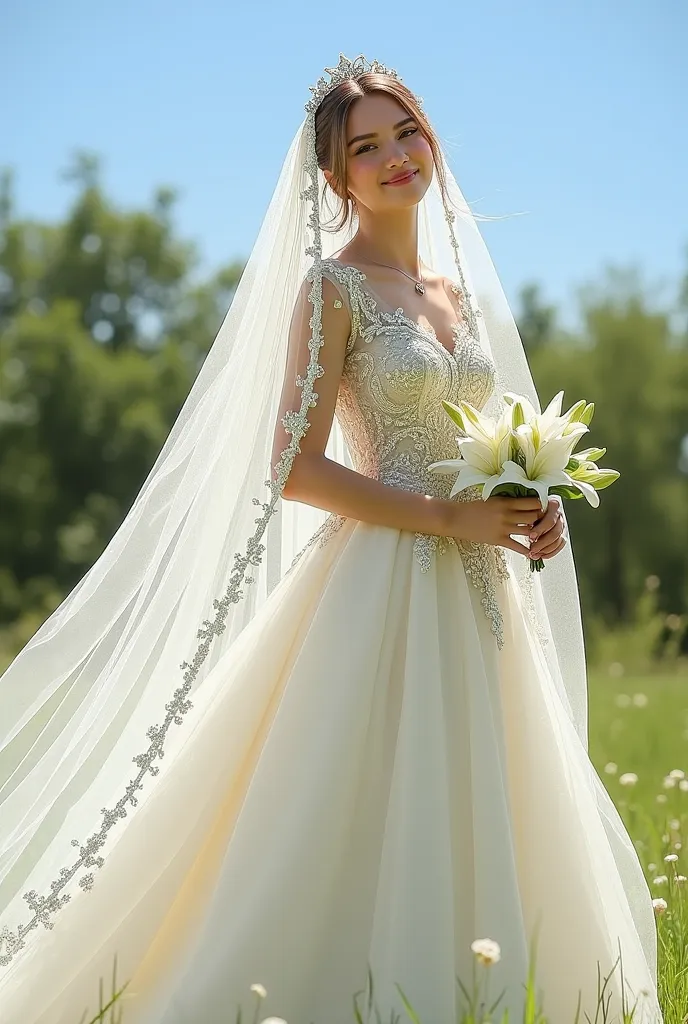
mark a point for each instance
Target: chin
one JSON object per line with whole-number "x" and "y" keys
{"x": 410, "y": 195}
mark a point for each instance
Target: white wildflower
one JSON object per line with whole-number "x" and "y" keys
{"x": 487, "y": 951}
{"x": 611, "y": 768}
{"x": 660, "y": 880}
{"x": 674, "y": 824}
{"x": 677, "y": 773}
{"x": 683, "y": 785}
{"x": 651, "y": 867}
{"x": 669, "y": 783}
{"x": 680, "y": 879}
{"x": 661, "y": 798}
{"x": 640, "y": 700}
{"x": 659, "y": 906}
{"x": 260, "y": 990}
{"x": 628, "y": 779}
{"x": 671, "y": 858}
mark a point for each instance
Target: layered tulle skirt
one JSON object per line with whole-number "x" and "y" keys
{"x": 365, "y": 782}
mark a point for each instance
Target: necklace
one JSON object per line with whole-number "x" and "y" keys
{"x": 420, "y": 286}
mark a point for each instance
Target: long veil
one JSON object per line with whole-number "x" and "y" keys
{"x": 88, "y": 706}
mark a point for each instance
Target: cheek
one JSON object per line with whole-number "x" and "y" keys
{"x": 362, "y": 175}
{"x": 421, "y": 152}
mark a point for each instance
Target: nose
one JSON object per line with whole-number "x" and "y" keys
{"x": 397, "y": 154}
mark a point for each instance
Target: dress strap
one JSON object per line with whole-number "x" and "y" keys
{"x": 347, "y": 281}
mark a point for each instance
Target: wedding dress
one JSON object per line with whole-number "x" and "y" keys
{"x": 368, "y": 779}
{"x": 380, "y": 764}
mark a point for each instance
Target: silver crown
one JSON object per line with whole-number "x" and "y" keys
{"x": 345, "y": 70}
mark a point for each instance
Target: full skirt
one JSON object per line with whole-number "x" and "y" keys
{"x": 365, "y": 783}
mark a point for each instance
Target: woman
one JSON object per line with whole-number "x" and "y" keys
{"x": 384, "y": 753}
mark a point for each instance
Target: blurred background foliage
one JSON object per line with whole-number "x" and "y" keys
{"x": 103, "y": 327}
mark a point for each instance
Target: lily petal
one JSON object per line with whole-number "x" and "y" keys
{"x": 479, "y": 454}
{"x": 447, "y": 466}
{"x": 469, "y": 477}
{"x": 588, "y": 492}
{"x": 553, "y": 410}
{"x": 515, "y": 474}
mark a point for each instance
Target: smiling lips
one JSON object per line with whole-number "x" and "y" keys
{"x": 401, "y": 179}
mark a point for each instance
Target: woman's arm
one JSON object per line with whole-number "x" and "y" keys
{"x": 317, "y": 480}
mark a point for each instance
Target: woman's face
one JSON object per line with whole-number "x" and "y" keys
{"x": 392, "y": 147}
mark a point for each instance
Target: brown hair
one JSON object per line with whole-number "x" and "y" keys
{"x": 330, "y": 131}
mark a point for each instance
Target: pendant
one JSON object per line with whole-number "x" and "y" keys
{"x": 420, "y": 287}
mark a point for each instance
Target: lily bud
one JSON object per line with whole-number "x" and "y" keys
{"x": 587, "y": 414}
{"x": 590, "y": 454}
{"x": 597, "y": 478}
{"x": 470, "y": 414}
{"x": 518, "y": 416}
{"x": 574, "y": 413}
{"x": 454, "y": 414}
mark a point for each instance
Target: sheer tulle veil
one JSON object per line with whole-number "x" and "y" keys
{"x": 90, "y": 707}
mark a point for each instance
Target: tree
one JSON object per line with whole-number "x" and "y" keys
{"x": 102, "y": 331}
{"x": 635, "y": 369}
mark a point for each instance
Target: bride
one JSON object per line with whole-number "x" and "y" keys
{"x": 306, "y": 716}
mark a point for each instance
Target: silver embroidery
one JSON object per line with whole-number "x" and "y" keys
{"x": 332, "y": 524}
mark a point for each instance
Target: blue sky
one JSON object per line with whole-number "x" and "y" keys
{"x": 574, "y": 113}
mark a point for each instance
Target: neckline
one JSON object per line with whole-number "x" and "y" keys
{"x": 429, "y": 331}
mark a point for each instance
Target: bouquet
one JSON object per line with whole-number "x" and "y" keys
{"x": 525, "y": 453}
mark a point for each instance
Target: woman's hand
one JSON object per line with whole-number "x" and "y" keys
{"x": 493, "y": 521}
{"x": 548, "y": 536}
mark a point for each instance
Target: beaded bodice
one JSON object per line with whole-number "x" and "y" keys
{"x": 395, "y": 375}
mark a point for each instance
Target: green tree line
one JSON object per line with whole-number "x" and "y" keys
{"x": 104, "y": 326}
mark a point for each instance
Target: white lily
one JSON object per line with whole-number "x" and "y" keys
{"x": 550, "y": 423}
{"x": 483, "y": 451}
{"x": 545, "y": 464}
{"x": 526, "y": 451}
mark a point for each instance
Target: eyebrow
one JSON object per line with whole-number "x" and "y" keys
{"x": 373, "y": 135}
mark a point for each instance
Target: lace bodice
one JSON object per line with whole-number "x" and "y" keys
{"x": 396, "y": 374}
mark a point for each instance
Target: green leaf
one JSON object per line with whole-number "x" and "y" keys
{"x": 413, "y": 1016}
{"x": 565, "y": 492}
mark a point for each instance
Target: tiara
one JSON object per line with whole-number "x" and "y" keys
{"x": 345, "y": 70}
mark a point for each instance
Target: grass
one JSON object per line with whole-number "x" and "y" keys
{"x": 638, "y": 730}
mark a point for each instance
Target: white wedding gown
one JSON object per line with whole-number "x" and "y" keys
{"x": 379, "y": 770}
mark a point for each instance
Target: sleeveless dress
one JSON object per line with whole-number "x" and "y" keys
{"x": 378, "y": 772}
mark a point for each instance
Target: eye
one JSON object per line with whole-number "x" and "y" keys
{"x": 369, "y": 145}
